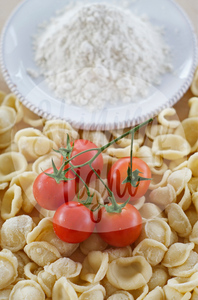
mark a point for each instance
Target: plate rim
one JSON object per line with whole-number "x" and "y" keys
{"x": 90, "y": 126}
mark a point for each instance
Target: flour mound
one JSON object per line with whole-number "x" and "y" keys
{"x": 94, "y": 54}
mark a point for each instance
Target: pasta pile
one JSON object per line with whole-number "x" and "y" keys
{"x": 162, "y": 263}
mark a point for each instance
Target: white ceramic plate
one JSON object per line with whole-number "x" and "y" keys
{"x": 17, "y": 56}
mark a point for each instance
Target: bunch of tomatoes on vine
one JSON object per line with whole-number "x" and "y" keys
{"x": 118, "y": 222}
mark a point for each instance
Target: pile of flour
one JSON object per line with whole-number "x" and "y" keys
{"x": 97, "y": 53}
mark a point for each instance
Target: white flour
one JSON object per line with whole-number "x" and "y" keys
{"x": 97, "y": 53}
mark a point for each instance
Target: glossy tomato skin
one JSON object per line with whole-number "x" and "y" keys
{"x": 73, "y": 222}
{"x": 85, "y": 172}
{"x": 118, "y": 174}
{"x": 49, "y": 194}
{"x": 120, "y": 229}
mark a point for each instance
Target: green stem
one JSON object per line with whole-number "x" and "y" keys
{"x": 131, "y": 152}
{"x": 115, "y": 205}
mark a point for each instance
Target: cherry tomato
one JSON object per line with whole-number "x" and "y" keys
{"x": 49, "y": 194}
{"x": 118, "y": 174}
{"x": 72, "y": 222}
{"x": 85, "y": 172}
{"x": 120, "y": 229}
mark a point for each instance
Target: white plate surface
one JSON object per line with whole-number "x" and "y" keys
{"x": 17, "y": 56}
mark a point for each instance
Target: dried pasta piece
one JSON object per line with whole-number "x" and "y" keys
{"x": 170, "y": 111}
{"x": 188, "y": 268}
{"x": 194, "y": 294}
{"x": 193, "y": 185}
{"x": 94, "y": 266}
{"x": 159, "y": 170}
{"x": 81, "y": 286}
{"x": 96, "y": 137}
{"x": 12, "y": 202}
{"x": 115, "y": 253}
{"x": 193, "y": 104}
{"x": 186, "y": 199}
{"x": 93, "y": 243}
{"x": 194, "y": 234}
{"x": 45, "y": 213}
{"x": 147, "y": 155}
{"x": 139, "y": 202}
{"x": 25, "y": 181}
{"x": 42, "y": 253}
{"x": 193, "y": 164}
{"x": 129, "y": 273}
{"x": 45, "y": 162}
{"x": 109, "y": 288}
{"x": 64, "y": 267}
{"x": 150, "y": 211}
{"x": 8, "y": 271}
{"x": 163, "y": 196}
{"x": 5, "y": 293}
{"x": 184, "y": 284}
{"x": 96, "y": 292}
{"x": 3, "y": 185}
{"x": 44, "y": 232}
{"x": 191, "y": 135}
{"x": 159, "y": 277}
{"x": 126, "y": 141}
{"x": 46, "y": 281}
{"x": 31, "y": 270}
{"x": 171, "y": 293}
{"x": 178, "y": 164}
{"x": 121, "y": 295}
{"x": 12, "y": 101}
{"x": 192, "y": 216}
{"x": 27, "y": 132}
{"x": 34, "y": 147}
{"x": 23, "y": 260}
{"x": 14, "y": 232}
{"x": 11, "y": 164}
{"x": 156, "y": 294}
{"x": 140, "y": 293}
{"x": 32, "y": 119}
{"x": 171, "y": 146}
{"x": 177, "y": 254}
{"x": 153, "y": 130}
{"x": 179, "y": 179}
{"x": 162, "y": 183}
{"x": 152, "y": 250}
{"x": 57, "y": 130}
{"x": 156, "y": 229}
{"x": 27, "y": 289}
{"x": 7, "y": 118}
{"x": 194, "y": 85}
{"x": 62, "y": 290}
{"x": 178, "y": 220}
{"x": 123, "y": 152}
{"x": 5, "y": 139}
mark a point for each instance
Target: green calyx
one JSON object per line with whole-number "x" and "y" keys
{"x": 134, "y": 178}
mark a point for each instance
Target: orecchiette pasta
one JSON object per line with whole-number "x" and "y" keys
{"x": 129, "y": 273}
{"x": 25, "y": 181}
{"x": 156, "y": 294}
{"x": 152, "y": 250}
{"x": 64, "y": 267}
{"x": 188, "y": 268}
{"x": 93, "y": 243}
{"x": 163, "y": 196}
{"x": 14, "y": 232}
{"x": 28, "y": 289}
{"x": 171, "y": 146}
{"x": 177, "y": 254}
{"x": 62, "y": 290}
{"x": 159, "y": 277}
{"x": 42, "y": 253}
{"x": 193, "y": 103}
{"x": 11, "y": 202}
{"x": 46, "y": 281}
{"x": 124, "y": 295}
{"x": 184, "y": 284}
{"x": 8, "y": 271}
{"x": 94, "y": 266}
{"x": 115, "y": 253}
{"x": 11, "y": 164}
{"x": 31, "y": 271}
{"x": 45, "y": 162}
{"x": 7, "y": 118}
{"x": 171, "y": 293}
{"x": 97, "y": 292}
{"x": 168, "y": 112}
{"x": 12, "y": 101}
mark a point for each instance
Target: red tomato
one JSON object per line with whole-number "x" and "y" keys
{"x": 118, "y": 174}
{"x": 120, "y": 229}
{"x": 85, "y": 172}
{"x": 73, "y": 223}
{"x": 49, "y": 194}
